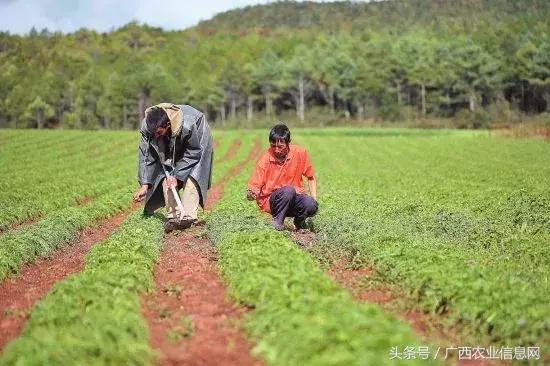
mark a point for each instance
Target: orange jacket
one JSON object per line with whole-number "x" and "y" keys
{"x": 270, "y": 174}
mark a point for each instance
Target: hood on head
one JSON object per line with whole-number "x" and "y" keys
{"x": 174, "y": 113}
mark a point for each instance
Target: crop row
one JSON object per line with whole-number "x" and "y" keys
{"x": 222, "y": 142}
{"x": 110, "y": 190}
{"x": 41, "y": 178}
{"x": 24, "y": 209}
{"x": 57, "y": 229}
{"x": 94, "y": 317}
{"x": 300, "y": 315}
{"x": 461, "y": 223}
{"x": 54, "y": 170}
{"x": 248, "y": 139}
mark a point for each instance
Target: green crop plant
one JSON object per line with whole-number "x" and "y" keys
{"x": 53, "y": 170}
{"x": 113, "y": 182}
{"x": 224, "y": 140}
{"x": 95, "y": 317}
{"x": 248, "y": 140}
{"x": 57, "y": 229}
{"x": 300, "y": 316}
{"x": 460, "y": 221}
{"x": 48, "y": 171}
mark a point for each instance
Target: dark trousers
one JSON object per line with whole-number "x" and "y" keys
{"x": 285, "y": 202}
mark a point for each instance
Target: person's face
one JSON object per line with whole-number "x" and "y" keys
{"x": 162, "y": 131}
{"x": 280, "y": 149}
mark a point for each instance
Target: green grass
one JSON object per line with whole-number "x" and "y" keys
{"x": 95, "y": 316}
{"x": 460, "y": 222}
{"x": 301, "y": 317}
{"x": 56, "y": 230}
{"x": 247, "y": 138}
{"x": 225, "y": 140}
{"x": 381, "y": 132}
{"x": 46, "y": 171}
{"x": 67, "y": 165}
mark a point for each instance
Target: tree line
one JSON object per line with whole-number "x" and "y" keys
{"x": 485, "y": 63}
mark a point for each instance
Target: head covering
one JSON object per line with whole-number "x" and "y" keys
{"x": 174, "y": 113}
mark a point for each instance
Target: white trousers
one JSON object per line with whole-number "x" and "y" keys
{"x": 190, "y": 200}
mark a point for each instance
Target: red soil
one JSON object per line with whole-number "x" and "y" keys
{"x": 351, "y": 280}
{"x": 425, "y": 325}
{"x": 235, "y": 146}
{"x": 304, "y": 238}
{"x": 22, "y": 225}
{"x": 216, "y": 192}
{"x": 83, "y": 201}
{"x": 190, "y": 318}
{"x": 19, "y": 293}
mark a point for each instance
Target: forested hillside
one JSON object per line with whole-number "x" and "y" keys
{"x": 476, "y": 62}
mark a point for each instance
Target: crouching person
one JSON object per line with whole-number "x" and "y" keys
{"x": 277, "y": 184}
{"x": 175, "y": 152}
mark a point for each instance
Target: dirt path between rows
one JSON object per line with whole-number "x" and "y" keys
{"x": 79, "y": 202}
{"x": 231, "y": 152}
{"x": 191, "y": 320}
{"x": 216, "y": 192}
{"x": 427, "y": 326}
{"x": 21, "y": 224}
{"x": 19, "y": 293}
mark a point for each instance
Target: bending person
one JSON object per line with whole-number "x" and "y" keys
{"x": 175, "y": 152}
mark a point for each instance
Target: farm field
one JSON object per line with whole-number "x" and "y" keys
{"x": 452, "y": 225}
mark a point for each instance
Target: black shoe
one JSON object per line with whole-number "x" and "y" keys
{"x": 300, "y": 224}
{"x": 277, "y": 225}
{"x": 177, "y": 224}
{"x": 169, "y": 226}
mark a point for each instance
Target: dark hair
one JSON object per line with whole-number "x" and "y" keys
{"x": 156, "y": 118}
{"x": 279, "y": 132}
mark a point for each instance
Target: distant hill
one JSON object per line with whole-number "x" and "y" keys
{"x": 375, "y": 14}
{"x": 475, "y": 61}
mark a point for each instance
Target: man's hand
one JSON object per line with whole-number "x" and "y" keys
{"x": 171, "y": 182}
{"x": 251, "y": 194}
{"x": 312, "y": 183}
{"x": 141, "y": 193}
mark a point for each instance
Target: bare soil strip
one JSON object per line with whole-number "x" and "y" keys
{"x": 22, "y": 224}
{"x": 191, "y": 319}
{"x": 427, "y": 326}
{"x": 216, "y": 192}
{"x": 19, "y": 293}
{"x": 215, "y": 144}
{"x": 231, "y": 152}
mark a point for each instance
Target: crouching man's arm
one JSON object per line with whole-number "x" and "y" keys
{"x": 312, "y": 183}
{"x": 256, "y": 182}
{"x": 309, "y": 173}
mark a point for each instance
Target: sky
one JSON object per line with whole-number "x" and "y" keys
{"x": 19, "y": 16}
